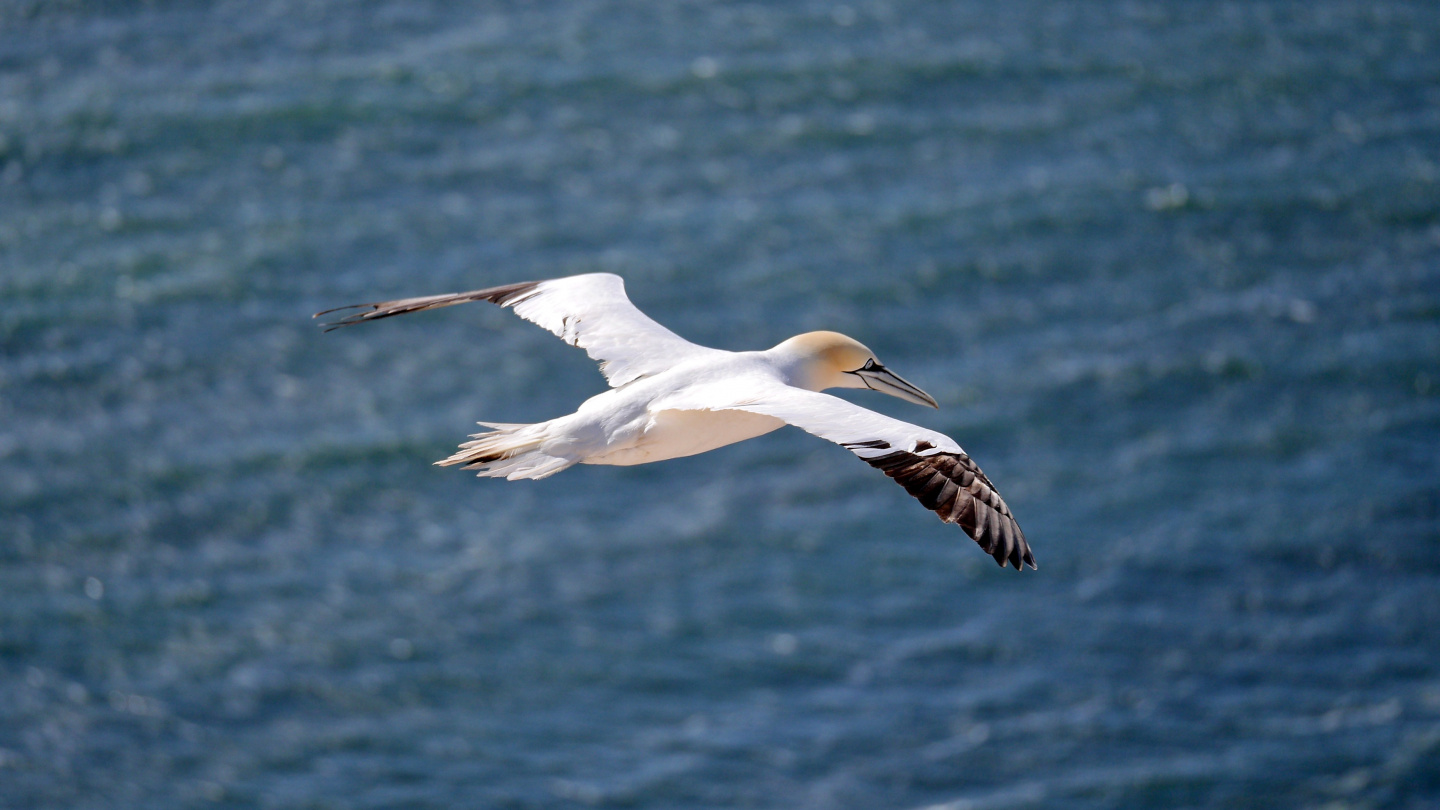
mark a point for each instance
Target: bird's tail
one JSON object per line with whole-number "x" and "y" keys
{"x": 508, "y": 451}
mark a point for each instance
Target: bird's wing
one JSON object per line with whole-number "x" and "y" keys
{"x": 590, "y": 312}
{"x": 930, "y": 465}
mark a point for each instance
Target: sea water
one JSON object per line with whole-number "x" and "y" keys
{"x": 1172, "y": 270}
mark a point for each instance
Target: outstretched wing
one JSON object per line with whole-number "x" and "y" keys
{"x": 589, "y": 311}
{"x": 930, "y": 465}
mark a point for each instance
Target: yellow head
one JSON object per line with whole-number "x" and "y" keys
{"x": 820, "y": 360}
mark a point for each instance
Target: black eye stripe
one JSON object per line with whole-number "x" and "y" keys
{"x": 870, "y": 365}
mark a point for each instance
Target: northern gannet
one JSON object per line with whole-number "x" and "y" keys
{"x": 671, "y": 398}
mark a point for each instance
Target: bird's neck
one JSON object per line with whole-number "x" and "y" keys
{"x": 803, "y": 370}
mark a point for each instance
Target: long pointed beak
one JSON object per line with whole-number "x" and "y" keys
{"x": 879, "y": 378}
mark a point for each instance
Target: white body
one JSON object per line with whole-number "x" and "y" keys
{"x": 637, "y": 424}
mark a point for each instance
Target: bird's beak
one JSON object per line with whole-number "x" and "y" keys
{"x": 878, "y": 378}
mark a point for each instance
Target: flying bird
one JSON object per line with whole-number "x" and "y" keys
{"x": 671, "y": 398}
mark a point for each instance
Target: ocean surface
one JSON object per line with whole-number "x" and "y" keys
{"x": 1172, "y": 270}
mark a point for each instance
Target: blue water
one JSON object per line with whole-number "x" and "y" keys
{"x": 1171, "y": 268}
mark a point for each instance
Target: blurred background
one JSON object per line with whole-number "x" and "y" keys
{"x": 1171, "y": 268}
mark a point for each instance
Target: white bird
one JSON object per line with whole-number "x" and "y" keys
{"x": 671, "y": 398}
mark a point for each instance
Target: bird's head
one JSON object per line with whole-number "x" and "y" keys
{"x": 820, "y": 360}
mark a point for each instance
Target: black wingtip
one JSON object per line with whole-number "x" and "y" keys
{"x": 347, "y": 306}
{"x": 348, "y": 320}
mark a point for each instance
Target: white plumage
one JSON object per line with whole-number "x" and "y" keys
{"x": 671, "y": 398}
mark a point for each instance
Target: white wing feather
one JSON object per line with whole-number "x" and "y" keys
{"x": 593, "y": 313}
{"x": 830, "y": 418}
{"x": 588, "y": 311}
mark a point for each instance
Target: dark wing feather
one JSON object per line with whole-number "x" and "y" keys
{"x": 950, "y": 485}
{"x": 503, "y": 296}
